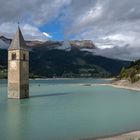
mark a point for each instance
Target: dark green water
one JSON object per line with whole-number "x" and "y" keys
{"x": 67, "y": 110}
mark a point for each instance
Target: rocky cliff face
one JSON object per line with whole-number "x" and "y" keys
{"x": 88, "y": 44}
{"x": 75, "y": 44}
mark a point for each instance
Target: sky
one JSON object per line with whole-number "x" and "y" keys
{"x": 113, "y": 25}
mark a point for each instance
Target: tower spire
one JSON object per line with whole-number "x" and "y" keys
{"x": 18, "y": 68}
{"x": 18, "y": 24}
{"x": 18, "y": 41}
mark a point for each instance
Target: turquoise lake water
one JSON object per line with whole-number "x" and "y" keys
{"x": 68, "y": 110}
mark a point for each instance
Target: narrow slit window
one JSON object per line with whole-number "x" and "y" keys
{"x": 13, "y": 56}
{"x": 24, "y": 57}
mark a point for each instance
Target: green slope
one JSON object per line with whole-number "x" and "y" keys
{"x": 60, "y": 63}
{"x": 132, "y": 73}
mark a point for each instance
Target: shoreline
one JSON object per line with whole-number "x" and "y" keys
{"x": 117, "y": 86}
{"x": 45, "y": 78}
{"x": 123, "y": 84}
{"x": 130, "y": 135}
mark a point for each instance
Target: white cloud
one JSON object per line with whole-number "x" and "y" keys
{"x": 125, "y": 52}
{"x": 29, "y": 32}
{"x": 47, "y": 35}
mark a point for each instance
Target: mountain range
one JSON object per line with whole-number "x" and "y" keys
{"x": 65, "y": 45}
{"x": 64, "y": 59}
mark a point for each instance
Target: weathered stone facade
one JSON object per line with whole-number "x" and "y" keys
{"x": 18, "y": 68}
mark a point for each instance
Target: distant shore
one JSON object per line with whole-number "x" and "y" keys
{"x": 117, "y": 86}
{"x": 109, "y": 79}
{"x": 124, "y": 84}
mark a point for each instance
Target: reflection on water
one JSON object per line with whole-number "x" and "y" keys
{"x": 67, "y": 110}
{"x": 46, "y": 95}
{"x": 16, "y": 119}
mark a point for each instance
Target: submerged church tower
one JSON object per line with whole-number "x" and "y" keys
{"x": 18, "y": 68}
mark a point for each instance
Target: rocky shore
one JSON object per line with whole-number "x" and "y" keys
{"x": 127, "y": 136}
{"x": 126, "y": 84}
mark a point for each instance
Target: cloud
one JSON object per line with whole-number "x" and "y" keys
{"x": 34, "y": 11}
{"x": 33, "y": 33}
{"x": 31, "y": 13}
{"x": 111, "y": 24}
{"x": 29, "y": 32}
{"x": 125, "y": 52}
{"x": 47, "y": 35}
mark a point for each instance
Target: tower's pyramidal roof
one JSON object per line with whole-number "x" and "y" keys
{"x": 18, "y": 42}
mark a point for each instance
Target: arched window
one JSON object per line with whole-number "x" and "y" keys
{"x": 13, "y": 56}
{"x": 24, "y": 56}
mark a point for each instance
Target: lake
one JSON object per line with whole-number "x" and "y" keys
{"x": 68, "y": 109}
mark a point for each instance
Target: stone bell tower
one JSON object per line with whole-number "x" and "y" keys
{"x": 18, "y": 68}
